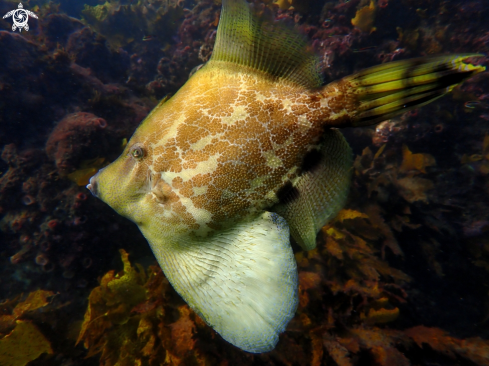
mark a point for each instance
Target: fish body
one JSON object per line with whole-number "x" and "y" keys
{"x": 222, "y": 147}
{"x": 220, "y": 175}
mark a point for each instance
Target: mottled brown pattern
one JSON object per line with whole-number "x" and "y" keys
{"x": 237, "y": 136}
{"x": 340, "y": 99}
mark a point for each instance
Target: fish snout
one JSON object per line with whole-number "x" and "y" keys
{"x": 93, "y": 185}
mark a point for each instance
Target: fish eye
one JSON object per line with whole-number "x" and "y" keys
{"x": 137, "y": 152}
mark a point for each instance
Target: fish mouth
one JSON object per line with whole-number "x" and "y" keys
{"x": 92, "y": 186}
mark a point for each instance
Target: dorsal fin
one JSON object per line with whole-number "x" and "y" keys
{"x": 245, "y": 39}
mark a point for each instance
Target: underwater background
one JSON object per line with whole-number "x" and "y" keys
{"x": 400, "y": 277}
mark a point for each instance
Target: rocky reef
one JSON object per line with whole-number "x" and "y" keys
{"x": 400, "y": 277}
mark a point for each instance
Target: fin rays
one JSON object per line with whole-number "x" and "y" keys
{"x": 322, "y": 192}
{"x": 386, "y": 90}
{"x": 242, "y": 281}
{"x": 247, "y": 40}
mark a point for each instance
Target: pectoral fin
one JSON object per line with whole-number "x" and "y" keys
{"x": 241, "y": 281}
{"x": 320, "y": 193}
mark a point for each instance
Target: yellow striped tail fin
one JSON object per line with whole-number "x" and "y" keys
{"x": 382, "y": 92}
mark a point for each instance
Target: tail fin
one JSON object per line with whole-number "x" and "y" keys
{"x": 383, "y": 91}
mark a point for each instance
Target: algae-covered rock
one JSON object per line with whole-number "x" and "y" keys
{"x": 24, "y": 344}
{"x": 123, "y": 24}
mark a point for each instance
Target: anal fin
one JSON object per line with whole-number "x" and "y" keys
{"x": 241, "y": 281}
{"x": 320, "y": 193}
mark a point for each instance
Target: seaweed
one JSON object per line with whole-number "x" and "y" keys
{"x": 127, "y": 320}
{"x": 347, "y": 296}
{"x": 21, "y": 341}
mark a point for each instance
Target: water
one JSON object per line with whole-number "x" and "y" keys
{"x": 399, "y": 278}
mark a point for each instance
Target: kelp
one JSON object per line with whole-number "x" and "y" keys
{"x": 416, "y": 163}
{"x": 130, "y": 320}
{"x": 392, "y": 347}
{"x": 383, "y": 170}
{"x": 347, "y": 298}
{"x": 24, "y": 344}
{"x": 20, "y": 340}
{"x": 365, "y": 17}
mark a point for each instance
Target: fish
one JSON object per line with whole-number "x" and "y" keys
{"x": 249, "y": 154}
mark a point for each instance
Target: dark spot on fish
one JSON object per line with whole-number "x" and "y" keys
{"x": 457, "y": 78}
{"x": 287, "y": 193}
{"x": 315, "y": 98}
{"x": 311, "y": 161}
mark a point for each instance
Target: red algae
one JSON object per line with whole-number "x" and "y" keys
{"x": 72, "y": 137}
{"x": 53, "y": 224}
